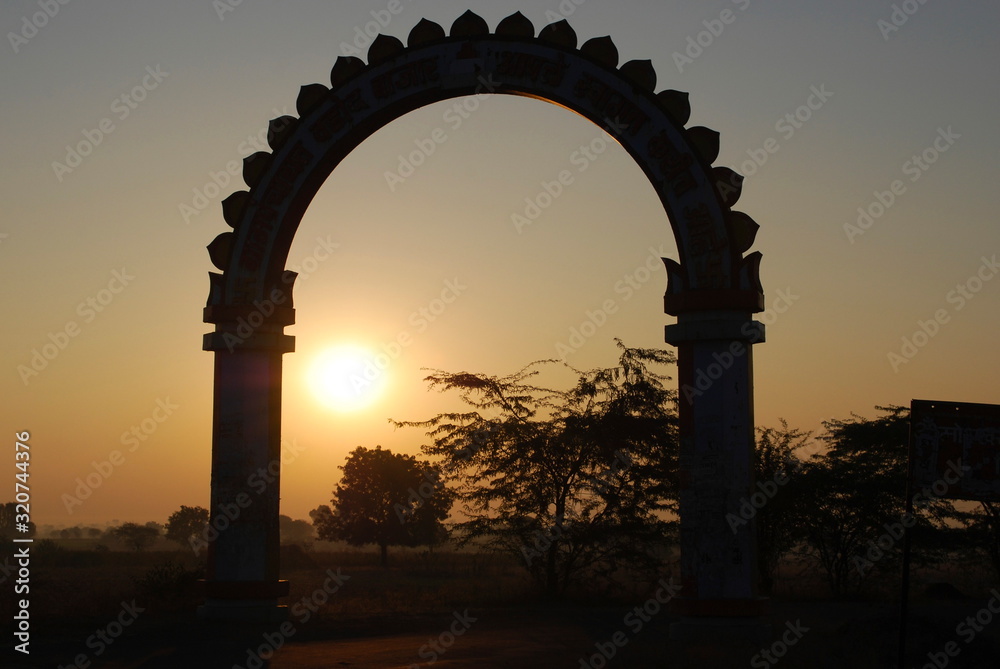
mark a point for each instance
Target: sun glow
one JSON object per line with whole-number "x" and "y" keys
{"x": 346, "y": 378}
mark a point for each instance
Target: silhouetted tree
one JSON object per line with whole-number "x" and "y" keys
{"x": 852, "y": 498}
{"x": 186, "y": 522}
{"x": 295, "y": 531}
{"x": 773, "y": 502}
{"x": 135, "y": 536}
{"x": 567, "y": 480}
{"x": 387, "y": 499}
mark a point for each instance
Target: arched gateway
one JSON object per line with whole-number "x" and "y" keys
{"x": 713, "y": 291}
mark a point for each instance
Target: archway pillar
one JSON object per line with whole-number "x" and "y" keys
{"x": 716, "y": 431}
{"x": 243, "y": 540}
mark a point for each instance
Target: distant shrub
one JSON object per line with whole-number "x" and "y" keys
{"x": 170, "y": 582}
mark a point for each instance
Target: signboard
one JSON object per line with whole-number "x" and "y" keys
{"x": 956, "y": 440}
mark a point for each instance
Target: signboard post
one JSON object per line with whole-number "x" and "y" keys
{"x": 954, "y": 454}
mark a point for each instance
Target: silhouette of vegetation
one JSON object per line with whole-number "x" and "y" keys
{"x": 169, "y": 583}
{"x": 292, "y": 531}
{"x": 569, "y": 481}
{"x": 851, "y": 500}
{"x": 135, "y": 536}
{"x": 185, "y": 523}
{"x": 386, "y": 499}
{"x": 776, "y": 468}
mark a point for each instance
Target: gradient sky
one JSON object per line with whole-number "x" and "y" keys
{"x": 841, "y": 303}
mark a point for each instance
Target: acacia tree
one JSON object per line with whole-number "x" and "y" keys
{"x": 185, "y": 523}
{"x": 387, "y": 499}
{"x": 566, "y": 480}
{"x": 776, "y": 467}
{"x": 851, "y": 501}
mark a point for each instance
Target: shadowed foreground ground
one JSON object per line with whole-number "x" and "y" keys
{"x": 478, "y": 612}
{"x": 841, "y": 634}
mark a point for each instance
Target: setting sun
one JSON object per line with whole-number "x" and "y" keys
{"x": 346, "y": 378}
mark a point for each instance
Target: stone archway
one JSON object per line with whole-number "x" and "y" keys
{"x": 713, "y": 290}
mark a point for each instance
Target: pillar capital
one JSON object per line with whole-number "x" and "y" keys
{"x": 714, "y": 326}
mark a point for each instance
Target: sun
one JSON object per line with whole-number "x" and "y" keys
{"x": 347, "y": 378}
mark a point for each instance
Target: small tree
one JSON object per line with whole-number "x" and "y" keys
{"x": 386, "y": 499}
{"x": 186, "y": 522}
{"x": 135, "y": 536}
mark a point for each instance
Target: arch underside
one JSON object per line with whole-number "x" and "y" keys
{"x": 713, "y": 273}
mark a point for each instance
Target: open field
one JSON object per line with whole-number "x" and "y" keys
{"x": 462, "y": 610}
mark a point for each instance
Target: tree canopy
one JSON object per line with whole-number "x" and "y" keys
{"x": 568, "y": 480}
{"x": 185, "y": 523}
{"x": 387, "y": 499}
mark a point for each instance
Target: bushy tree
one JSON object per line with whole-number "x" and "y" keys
{"x": 386, "y": 499}
{"x": 135, "y": 536}
{"x": 851, "y": 501}
{"x": 567, "y": 480}
{"x": 777, "y": 466}
{"x": 186, "y": 522}
{"x": 295, "y": 531}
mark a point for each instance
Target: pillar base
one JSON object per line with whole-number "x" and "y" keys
{"x": 721, "y": 631}
{"x": 244, "y": 601}
{"x": 247, "y": 610}
{"x": 690, "y": 607}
